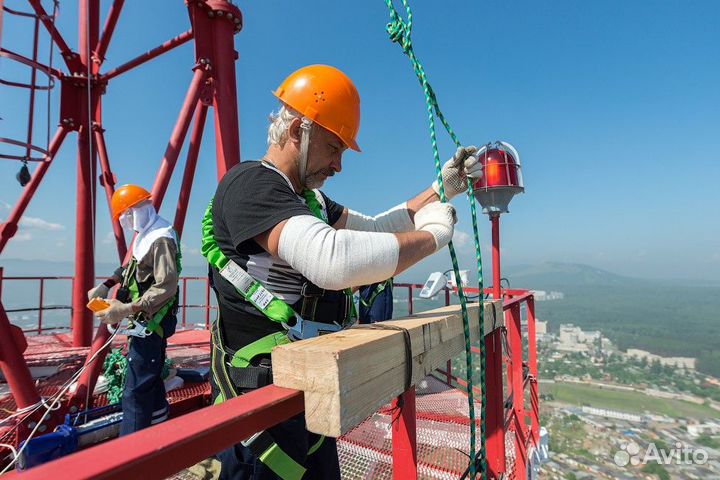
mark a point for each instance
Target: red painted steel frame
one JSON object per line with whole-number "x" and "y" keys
{"x": 214, "y": 24}
{"x": 13, "y": 366}
{"x": 162, "y": 450}
{"x": 404, "y": 441}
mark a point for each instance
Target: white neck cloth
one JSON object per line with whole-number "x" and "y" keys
{"x": 149, "y": 227}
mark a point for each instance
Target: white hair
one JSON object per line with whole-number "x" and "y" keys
{"x": 280, "y": 124}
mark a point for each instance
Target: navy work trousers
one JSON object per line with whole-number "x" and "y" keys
{"x": 144, "y": 402}
{"x": 381, "y": 308}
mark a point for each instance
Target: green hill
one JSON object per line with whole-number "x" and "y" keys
{"x": 665, "y": 319}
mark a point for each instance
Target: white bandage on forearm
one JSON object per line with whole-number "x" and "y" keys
{"x": 397, "y": 219}
{"x": 337, "y": 259}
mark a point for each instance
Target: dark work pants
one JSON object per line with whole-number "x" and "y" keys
{"x": 239, "y": 463}
{"x": 381, "y": 309}
{"x": 144, "y": 402}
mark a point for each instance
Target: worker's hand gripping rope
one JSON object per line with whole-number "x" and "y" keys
{"x": 456, "y": 170}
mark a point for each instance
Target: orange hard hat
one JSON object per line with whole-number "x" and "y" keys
{"x": 326, "y": 96}
{"x": 125, "y": 197}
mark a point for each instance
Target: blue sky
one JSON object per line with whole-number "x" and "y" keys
{"x": 613, "y": 105}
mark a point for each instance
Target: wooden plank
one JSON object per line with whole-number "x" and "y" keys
{"x": 348, "y": 375}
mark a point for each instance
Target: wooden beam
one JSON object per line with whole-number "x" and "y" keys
{"x": 348, "y": 375}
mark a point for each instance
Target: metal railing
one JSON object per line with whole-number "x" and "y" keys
{"x": 190, "y": 438}
{"x": 41, "y": 307}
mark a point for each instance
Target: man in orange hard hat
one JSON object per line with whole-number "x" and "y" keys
{"x": 277, "y": 239}
{"x": 148, "y": 298}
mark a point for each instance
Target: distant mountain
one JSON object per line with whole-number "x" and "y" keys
{"x": 558, "y": 275}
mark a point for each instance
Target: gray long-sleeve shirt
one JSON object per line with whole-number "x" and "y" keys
{"x": 159, "y": 263}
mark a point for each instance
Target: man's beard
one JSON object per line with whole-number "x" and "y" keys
{"x": 317, "y": 179}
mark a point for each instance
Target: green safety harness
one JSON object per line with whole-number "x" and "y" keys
{"x": 244, "y": 371}
{"x": 137, "y": 289}
{"x": 399, "y": 31}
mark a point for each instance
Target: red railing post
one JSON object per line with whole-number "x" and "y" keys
{"x": 404, "y": 441}
{"x": 410, "y": 300}
{"x": 532, "y": 364}
{"x": 495, "y": 423}
{"x": 516, "y": 380}
{"x": 207, "y": 302}
{"x": 184, "y": 302}
{"x": 40, "y": 307}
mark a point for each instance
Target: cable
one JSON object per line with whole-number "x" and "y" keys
{"x": 55, "y": 403}
{"x": 400, "y": 32}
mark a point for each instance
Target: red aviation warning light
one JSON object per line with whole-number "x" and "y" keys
{"x": 501, "y": 179}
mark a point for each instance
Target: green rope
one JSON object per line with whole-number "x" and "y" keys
{"x": 115, "y": 371}
{"x": 400, "y": 32}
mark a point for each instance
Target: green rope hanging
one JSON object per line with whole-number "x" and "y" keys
{"x": 400, "y": 31}
{"x": 115, "y": 371}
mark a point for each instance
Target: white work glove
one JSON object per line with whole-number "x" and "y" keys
{"x": 115, "y": 312}
{"x": 439, "y": 219}
{"x": 456, "y": 170}
{"x": 100, "y": 291}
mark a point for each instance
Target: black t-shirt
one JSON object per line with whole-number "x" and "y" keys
{"x": 251, "y": 199}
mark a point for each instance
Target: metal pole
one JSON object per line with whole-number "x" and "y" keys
{"x": 177, "y": 138}
{"x": 108, "y": 181}
{"x": 190, "y": 164}
{"x": 532, "y": 364}
{"x": 207, "y": 303}
{"x": 40, "y": 307}
{"x": 9, "y": 228}
{"x": 184, "y": 301}
{"x": 404, "y": 439}
{"x": 497, "y": 288}
{"x": 410, "y": 300}
{"x": 495, "y": 423}
{"x": 108, "y": 30}
{"x": 82, "y": 320}
{"x": 13, "y": 366}
{"x": 515, "y": 377}
{"x": 149, "y": 55}
{"x": 225, "y": 104}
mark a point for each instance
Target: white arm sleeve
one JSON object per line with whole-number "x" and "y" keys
{"x": 397, "y": 219}
{"x": 337, "y": 259}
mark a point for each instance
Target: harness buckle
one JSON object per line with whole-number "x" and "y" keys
{"x": 309, "y": 290}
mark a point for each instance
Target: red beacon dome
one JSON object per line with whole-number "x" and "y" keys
{"x": 501, "y": 177}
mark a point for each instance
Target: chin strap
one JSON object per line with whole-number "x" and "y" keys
{"x": 304, "y": 144}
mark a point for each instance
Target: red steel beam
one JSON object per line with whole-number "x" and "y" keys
{"x": 108, "y": 29}
{"x": 225, "y": 104}
{"x": 82, "y": 318}
{"x": 190, "y": 164}
{"x": 404, "y": 439}
{"x": 495, "y": 432}
{"x": 72, "y": 60}
{"x": 149, "y": 55}
{"x": 532, "y": 364}
{"x": 160, "y": 451}
{"x": 177, "y": 138}
{"x": 515, "y": 378}
{"x": 13, "y": 366}
{"x": 497, "y": 288}
{"x": 108, "y": 181}
{"x": 9, "y": 228}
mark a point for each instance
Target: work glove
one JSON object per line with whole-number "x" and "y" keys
{"x": 100, "y": 291}
{"x": 456, "y": 170}
{"x": 439, "y": 219}
{"x": 115, "y": 312}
